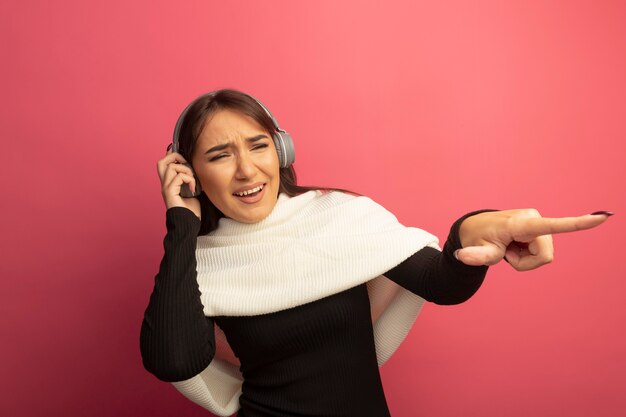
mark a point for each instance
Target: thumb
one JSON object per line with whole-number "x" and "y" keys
{"x": 479, "y": 255}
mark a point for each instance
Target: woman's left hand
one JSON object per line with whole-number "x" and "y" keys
{"x": 521, "y": 236}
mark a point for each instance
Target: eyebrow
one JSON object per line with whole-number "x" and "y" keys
{"x": 227, "y": 144}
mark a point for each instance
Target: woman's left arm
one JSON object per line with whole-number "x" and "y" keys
{"x": 477, "y": 240}
{"x": 437, "y": 276}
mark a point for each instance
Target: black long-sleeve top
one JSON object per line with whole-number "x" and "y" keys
{"x": 317, "y": 359}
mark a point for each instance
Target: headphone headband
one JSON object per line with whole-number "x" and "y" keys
{"x": 179, "y": 122}
{"x": 282, "y": 140}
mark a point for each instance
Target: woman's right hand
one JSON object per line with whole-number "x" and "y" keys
{"x": 173, "y": 174}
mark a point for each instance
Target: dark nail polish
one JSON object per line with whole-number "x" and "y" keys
{"x": 606, "y": 213}
{"x": 169, "y": 146}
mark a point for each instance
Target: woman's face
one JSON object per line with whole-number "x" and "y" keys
{"x": 234, "y": 155}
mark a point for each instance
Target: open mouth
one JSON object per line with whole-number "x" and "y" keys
{"x": 250, "y": 193}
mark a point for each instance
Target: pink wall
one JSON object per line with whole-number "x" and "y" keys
{"x": 432, "y": 110}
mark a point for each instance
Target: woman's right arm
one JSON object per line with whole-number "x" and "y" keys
{"x": 177, "y": 341}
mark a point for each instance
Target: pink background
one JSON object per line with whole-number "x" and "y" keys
{"x": 432, "y": 109}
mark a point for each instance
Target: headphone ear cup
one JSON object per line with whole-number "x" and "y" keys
{"x": 285, "y": 148}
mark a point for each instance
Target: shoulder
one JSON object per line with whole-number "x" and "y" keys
{"x": 353, "y": 205}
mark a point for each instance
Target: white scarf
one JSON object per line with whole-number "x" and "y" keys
{"x": 309, "y": 247}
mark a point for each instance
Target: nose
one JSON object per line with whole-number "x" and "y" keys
{"x": 245, "y": 167}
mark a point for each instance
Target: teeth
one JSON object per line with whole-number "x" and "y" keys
{"x": 254, "y": 190}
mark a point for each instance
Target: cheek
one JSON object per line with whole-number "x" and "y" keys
{"x": 270, "y": 163}
{"x": 213, "y": 181}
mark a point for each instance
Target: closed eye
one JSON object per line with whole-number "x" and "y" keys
{"x": 220, "y": 156}
{"x": 223, "y": 155}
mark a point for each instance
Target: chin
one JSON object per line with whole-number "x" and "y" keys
{"x": 251, "y": 215}
{"x": 249, "y": 218}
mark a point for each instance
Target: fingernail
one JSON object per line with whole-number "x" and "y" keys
{"x": 169, "y": 147}
{"x": 606, "y": 213}
{"x": 456, "y": 254}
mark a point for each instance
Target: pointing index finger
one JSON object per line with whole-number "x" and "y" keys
{"x": 528, "y": 228}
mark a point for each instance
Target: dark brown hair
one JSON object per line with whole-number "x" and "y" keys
{"x": 199, "y": 113}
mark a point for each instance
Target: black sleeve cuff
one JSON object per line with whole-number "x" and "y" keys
{"x": 454, "y": 242}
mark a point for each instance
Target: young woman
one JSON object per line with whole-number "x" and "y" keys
{"x": 274, "y": 299}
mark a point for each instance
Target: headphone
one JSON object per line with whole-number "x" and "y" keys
{"x": 282, "y": 142}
